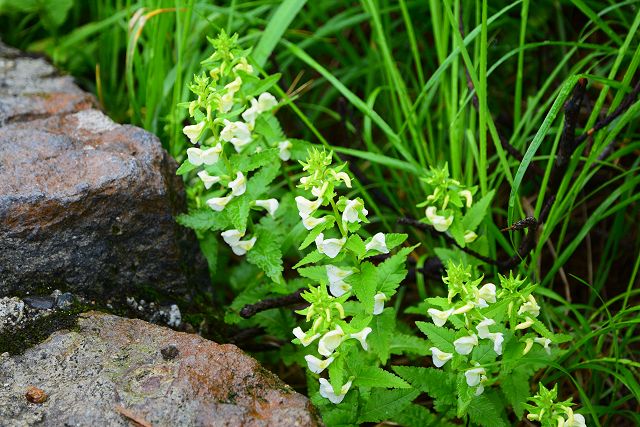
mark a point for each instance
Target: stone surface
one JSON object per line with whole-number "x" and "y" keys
{"x": 86, "y": 205}
{"x": 110, "y": 366}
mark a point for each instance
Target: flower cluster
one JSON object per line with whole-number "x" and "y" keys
{"x": 444, "y": 206}
{"x": 550, "y": 413}
{"x": 332, "y": 223}
{"x": 230, "y": 102}
{"x": 476, "y": 312}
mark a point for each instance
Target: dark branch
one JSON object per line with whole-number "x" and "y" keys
{"x": 250, "y": 310}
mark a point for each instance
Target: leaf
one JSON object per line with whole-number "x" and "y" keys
{"x": 185, "y": 167}
{"x": 515, "y": 387}
{"x": 269, "y": 127}
{"x": 257, "y": 160}
{"x": 258, "y": 183}
{"x": 204, "y": 219}
{"x": 209, "y": 248}
{"x": 363, "y": 285}
{"x": 373, "y": 376}
{"x": 457, "y": 231}
{"x": 238, "y": 211}
{"x": 402, "y": 344}
{"x": 317, "y": 273}
{"x": 419, "y": 416}
{"x": 311, "y": 257}
{"x": 266, "y": 252}
{"x": 356, "y": 245}
{"x": 278, "y": 24}
{"x": 440, "y": 336}
{"x": 315, "y": 232}
{"x": 437, "y": 383}
{"x": 383, "y": 327}
{"x": 393, "y": 240}
{"x": 255, "y": 88}
{"x": 390, "y": 273}
{"x": 477, "y": 212}
{"x": 484, "y": 411}
{"x": 384, "y": 404}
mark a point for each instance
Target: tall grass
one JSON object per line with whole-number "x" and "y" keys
{"x": 395, "y": 86}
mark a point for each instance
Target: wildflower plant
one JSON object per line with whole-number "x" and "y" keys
{"x": 549, "y": 413}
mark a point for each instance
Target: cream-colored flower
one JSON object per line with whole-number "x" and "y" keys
{"x": 439, "y": 317}
{"x": 530, "y": 307}
{"x": 209, "y": 156}
{"x": 243, "y": 65}
{"x": 271, "y": 205}
{"x": 319, "y": 191}
{"x": 439, "y": 222}
{"x": 329, "y": 247}
{"x": 528, "y": 343}
{"x": 330, "y": 341}
{"x": 326, "y": 391}
{"x": 311, "y": 222}
{"x": 440, "y": 357}
{"x": 575, "y": 420}
{"x": 237, "y": 133}
{"x": 317, "y": 365}
{"x": 304, "y": 338}
{"x": 336, "y": 276}
{"x": 470, "y": 236}
{"x": 285, "y": 150}
{"x": 498, "y": 339}
{"x": 466, "y": 194}
{"x": 362, "y": 337}
{"x": 483, "y": 328}
{"x": 524, "y": 325}
{"x": 544, "y": 342}
{"x": 307, "y": 207}
{"x": 239, "y": 185}
{"x": 218, "y": 203}
{"x": 193, "y": 131}
{"x": 465, "y": 308}
{"x": 231, "y": 237}
{"x": 465, "y": 345}
{"x": 344, "y": 177}
{"x": 377, "y": 243}
{"x": 378, "y": 303}
{"x": 243, "y": 246}
{"x": 352, "y": 211}
{"x": 208, "y": 180}
{"x": 265, "y": 102}
{"x": 474, "y": 376}
{"x": 487, "y": 293}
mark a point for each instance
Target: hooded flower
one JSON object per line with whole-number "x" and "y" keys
{"x": 237, "y": 133}
{"x": 208, "y": 180}
{"x": 307, "y": 207}
{"x": 440, "y": 357}
{"x": 232, "y": 237}
{"x": 326, "y": 391}
{"x": 243, "y": 246}
{"x": 439, "y": 222}
{"x": 209, "y": 156}
{"x": 575, "y": 420}
{"x": 544, "y": 342}
{"x": 329, "y": 247}
{"x": 218, "y": 203}
{"x": 377, "y": 243}
{"x": 483, "y": 328}
{"x": 470, "y": 236}
{"x": 317, "y": 365}
{"x": 530, "y": 307}
{"x": 193, "y": 131}
{"x": 498, "y": 339}
{"x": 336, "y": 277}
{"x": 378, "y": 303}
{"x": 285, "y": 150}
{"x": 465, "y": 308}
{"x": 466, "y": 194}
{"x": 330, "y": 341}
{"x": 486, "y": 294}
{"x": 524, "y": 325}
{"x": 239, "y": 185}
{"x": 439, "y": 317}
{"x": 353, "y": 210}
{"x": 265, "y": 102}
{"x": 243, "y": 65}
{"x": 271, "y": 205}
{"x": 311, "y": 222}
{"x": 474, "y": 376}
{"x": 465, "y": 345}
{"x": 362, "y": 337}
{"x": 305, "y": 340}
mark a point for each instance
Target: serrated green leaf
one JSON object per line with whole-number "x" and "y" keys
{"x": 390, "y": 273}
{"x": 269, "y": 127}
{"x": 204, "y": 219}
{"x": 515, "y": 387}
{"x": 209, "y": 248}
{"x": 363, "y": 285}
{"x": 419, "y": 416}
{"x": 372, "y": 376}
{"x": 315, "y": 232}
{"x": 185, "y": 167}
{"x": 238, "y": 211}
{"x": 457, "y": 231}
{"x": 440, "y": 336}
{"x": 317, "y": 273}
{"x": 257, "y": 160}
{"x": 255, "y": 88}
{"x": 483, "y": 411}
{"x": 384, "y": 404}
{"x": 355, "y": 245}
{"x": 259, "y": 182}
{"x": 403, "y": 344}
{"x": 266, "y": 252}
{"x": 311, "y": 257}
{"x": 477, "y": 212}
{"x": 383, "y": 326}
{"x": 394, "y": 240}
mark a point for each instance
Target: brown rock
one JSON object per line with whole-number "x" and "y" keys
{"x": 112, "y": 362}
{"x": 85, "y": 204}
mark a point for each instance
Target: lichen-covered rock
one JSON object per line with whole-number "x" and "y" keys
{"x": 112, "y": 370}
{"x": 86, "y": 205}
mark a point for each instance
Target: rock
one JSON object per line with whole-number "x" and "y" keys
{"x": 86, "y": 205}
{"x": 40, "y": 303}
{"x": 12, "y": 312}
{"x": 110, "y": 369}
{"x": 64, "y": 300}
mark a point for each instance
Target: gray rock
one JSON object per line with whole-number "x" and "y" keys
{"x": 40, "y": 303}
{"x": 111, "y": 366}
{"x": 64, "y": 300}
{"x": 86, "y": 205}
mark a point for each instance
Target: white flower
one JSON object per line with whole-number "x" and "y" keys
{"x": 487, "y": 293}
{"x": 498, "y": 339}
{"x": 243, "y": 65}
{"x": 237, "y": 133}
{"x": 439, "y": 222}
{"x": 231, "y": 237}
{"x": 336, "y": 277}
{"x": 226, "y": 102}
{"x": 326, "y": 391}
{"x": 544, "y": 342}
{"x": 439, "y": 317}
{"x": 234, "y": 86}
{"x": 243, "y": 246}
{"x": 465, "y": 308}
{"x": 329, "y": 247}
{"x": 239, "y": 185}
{"x": 305, "y": 340}
{"x": 307, "y": 207}
{"x": 527, "y": 346}
{"x": 265, "y": 102}
{"x": 209, "y": 156}
{"x": 319, "y": 191}
{"x": 285, "y": 150}
{"x": 362, "y": 337}
{"x": 208, "y": 180}
{"x": 271, "y": 205}
{"x": 465, "y": 345}
{"x": 193, "y": 131}
{"x": 218, "y": 203}
{"x": 344, "y": 177}
{"x": 352, "y": 211}
{"x": 378, "y": 303}
{"x": 480, "y": 388}
{"x": 330, "y": 341}
{"x": 440, "y": 357}
{"x": 530, "y": 307}
{"x": 311, "y": 222}
{"x": 317, "y": 365}
{"x": 377, "y": 243}
{"x": 575, "y": 420}
{"x": 474, "y": 376}
{"x": 470, "y": 236}
{"x": 466, "y": 194}
{"x": 483, "y": 328}
{"x": 525, "y": 324}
